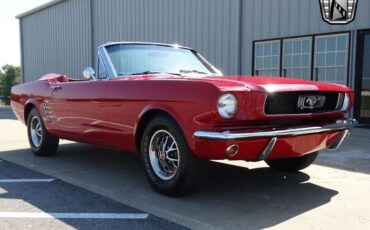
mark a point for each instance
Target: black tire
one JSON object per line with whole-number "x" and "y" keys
{"x": 47, "y": 144}
{"x": 190, "y": 170}
{"x": 292, "y": 164}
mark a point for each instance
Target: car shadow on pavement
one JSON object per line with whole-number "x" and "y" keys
{"x": 262, "y": 197}
{"x": 231, "y": 197}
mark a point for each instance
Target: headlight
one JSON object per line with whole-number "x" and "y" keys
{"x": 346, "y": 102}
{"x": 227, "y": 106}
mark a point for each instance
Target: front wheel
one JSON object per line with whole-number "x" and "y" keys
{"x": 170, "y": 165}
{"x": 41, "y": 142}
{"x": 292, "y": 164}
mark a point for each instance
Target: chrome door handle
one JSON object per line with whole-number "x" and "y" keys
{"x": 55, "y": 87}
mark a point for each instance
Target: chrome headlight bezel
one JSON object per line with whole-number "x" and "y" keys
{"x": 227, "y": 106}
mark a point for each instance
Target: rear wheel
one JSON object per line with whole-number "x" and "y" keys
{"x": 41, "y": 142}
{"x": 170, "y": 165}
{"x": 292, "y": 164}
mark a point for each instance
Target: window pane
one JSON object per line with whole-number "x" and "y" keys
{"x": 330, "y": 59}
{"x": 265, "y": 72}
{"x": 267, "y": 62}
{"x": 306, "y": 74}
{"x": 259, "y": 50}
{"x": 331, "y": 75}
{"x": 275, "y": 73}
{"x": 300, "y": 57}
{"x": 320, "y": 59}
{"x": 320, "y": 45}
{"x": 289, "y": 73}
{"x": 297, "y": 73}
{"x": 341, "y": 75}
{"x": 341, "y": 58}
{"x": 288, "y": 47}
{"x": 305, "y": 60}
{"x": 267, "y": 49}
{"x": 331, "y": 44}
{"x": 288, "y": 61}
{"x": 341, "y": 43}
{"x": 267, "y": 59}
{"x": 321, "y": 74}
{"x": 306, "y": 46}
{"x": 259, "y": 63}
{"x": 297, "y": 60}
{"x": 297, "y": 46}
{"x": 275, "y": 48}
{"x": 275, "y": 62}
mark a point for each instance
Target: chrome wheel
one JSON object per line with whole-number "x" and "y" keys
{"x": 164, "y": 154}
{"x": 36, "y": 131}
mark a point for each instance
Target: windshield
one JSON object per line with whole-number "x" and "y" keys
{"x": 146, "y": 59}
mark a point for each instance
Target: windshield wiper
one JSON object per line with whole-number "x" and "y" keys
{"x": 145, "y": 73}
{"x": 193, "y": 71}
{"x": 152, "y": 72}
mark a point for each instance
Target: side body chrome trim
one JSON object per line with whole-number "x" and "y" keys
{"x": 47, "y": 111}
{"x": 227, "y": 136}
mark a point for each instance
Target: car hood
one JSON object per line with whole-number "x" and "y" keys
{"x": 272, "y": 84}
{"x": 250, "y": 83}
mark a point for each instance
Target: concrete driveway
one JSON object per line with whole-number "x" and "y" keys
{"x": 331, "y": 194}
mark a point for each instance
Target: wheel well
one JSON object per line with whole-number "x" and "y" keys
{"x": 144, "y": 121}
{"x": 27, "y": 111}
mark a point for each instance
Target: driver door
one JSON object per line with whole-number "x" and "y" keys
{"x": 81, "y": 108}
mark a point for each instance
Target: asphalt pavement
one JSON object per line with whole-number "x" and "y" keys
{"x": 31, "y": 200}
{"x": 331, "y": 194}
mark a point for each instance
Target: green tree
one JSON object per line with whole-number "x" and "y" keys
{"x": 9, "y": 76}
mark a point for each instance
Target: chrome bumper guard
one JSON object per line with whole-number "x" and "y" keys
{"x": 339, "y": 125}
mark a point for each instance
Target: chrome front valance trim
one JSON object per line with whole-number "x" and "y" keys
{"x": 228, "y": 136}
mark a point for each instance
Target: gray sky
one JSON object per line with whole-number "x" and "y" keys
{"x": 9, "y": 28}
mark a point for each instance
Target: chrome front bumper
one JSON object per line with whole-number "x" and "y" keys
{"x": 273, "y": 135}
{"x": 227, "y": 136}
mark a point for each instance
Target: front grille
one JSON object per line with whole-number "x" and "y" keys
{"x": 287, "y": 102}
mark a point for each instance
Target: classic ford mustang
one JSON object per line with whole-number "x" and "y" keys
{"x": 177, "y": 111}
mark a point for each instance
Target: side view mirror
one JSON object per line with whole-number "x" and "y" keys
{"x": 89, "y": 73}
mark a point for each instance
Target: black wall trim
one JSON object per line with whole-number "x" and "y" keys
{"x": 313, "y": 46}
{"x": 358, "y": 74}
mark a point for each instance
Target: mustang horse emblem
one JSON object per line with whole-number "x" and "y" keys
{"x": 311, "y": 102}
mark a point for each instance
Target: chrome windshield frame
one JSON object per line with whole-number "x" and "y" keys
{"x": 112, "y": 73}
{"x": 103, "y": 54}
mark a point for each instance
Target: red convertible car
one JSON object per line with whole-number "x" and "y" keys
{"x": 177, "y": 111}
